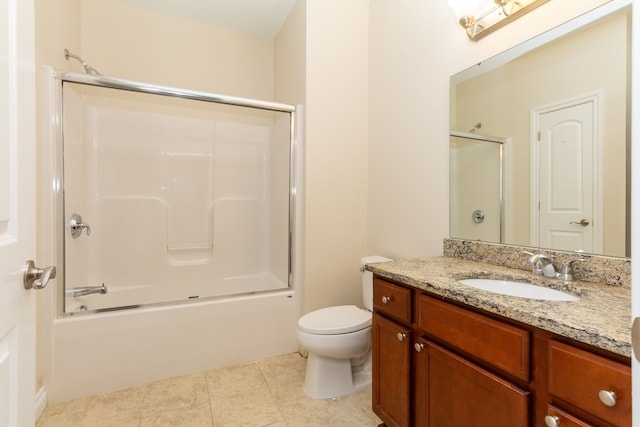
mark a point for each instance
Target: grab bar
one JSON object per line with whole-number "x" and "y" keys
{"x": 86, "y": 290}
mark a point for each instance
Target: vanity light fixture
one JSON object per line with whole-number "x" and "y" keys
{"x": 482, "y": 17}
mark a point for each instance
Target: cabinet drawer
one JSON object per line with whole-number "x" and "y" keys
{"x": 563, "y": 419}
{"x": 392, "y": 299}
{"x": 504, "y": 346}
{"x": 577, "y": 377}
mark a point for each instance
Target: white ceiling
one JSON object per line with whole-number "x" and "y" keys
{"x": 261, "y": 18}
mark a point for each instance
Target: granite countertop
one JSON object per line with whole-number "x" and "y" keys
{"x": 602, "y": 316}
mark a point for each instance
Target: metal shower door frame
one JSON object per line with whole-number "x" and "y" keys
{"x": 61, "y": 77}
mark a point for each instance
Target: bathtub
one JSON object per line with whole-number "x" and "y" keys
{"x": 108, "y": 351}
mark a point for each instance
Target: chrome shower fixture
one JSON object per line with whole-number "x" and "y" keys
{"x": 87, "y": 68}
{"x": 475, "y": 128}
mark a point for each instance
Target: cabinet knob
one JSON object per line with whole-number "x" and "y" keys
{"x": 401, "y": 336}
{"x": 552, "y": 421}
{"x": 386, "y": 300}
{"x": 607, "y": 397}
{"x": 418, "y": 346}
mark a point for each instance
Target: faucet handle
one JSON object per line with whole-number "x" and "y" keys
{"x": 566, "y": 271}
{"x": 536, "y": 262}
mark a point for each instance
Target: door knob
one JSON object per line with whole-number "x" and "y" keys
{"x": 37, "y": 278}
{"x": 583, "y": 222}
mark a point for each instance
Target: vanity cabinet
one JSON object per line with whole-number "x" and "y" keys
{"x": 438, "y": 363}
{"x": 392, "y": 351}
{"x": 585, "y": 383}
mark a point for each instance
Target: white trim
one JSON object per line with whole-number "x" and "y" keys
{"x": 507, "y": 191}
{"x": 595, "y": 99}
{"x": 41, "y": 402}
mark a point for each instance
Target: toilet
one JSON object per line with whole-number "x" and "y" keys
{"x": 338, "y": 341}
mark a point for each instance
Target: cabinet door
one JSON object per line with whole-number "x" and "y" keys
{"x": 580, "y": 378}
{"x": 391, "y": 367}
{"x": 453, "y": 392}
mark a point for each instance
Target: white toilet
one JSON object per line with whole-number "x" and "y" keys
{"x": 338, "y": 340}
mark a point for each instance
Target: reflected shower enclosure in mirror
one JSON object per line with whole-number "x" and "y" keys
{"x": 560, "y": 105}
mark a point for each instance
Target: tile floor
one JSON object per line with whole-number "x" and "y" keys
{"x": 263, "y": 393}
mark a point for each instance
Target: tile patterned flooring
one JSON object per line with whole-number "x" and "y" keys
{"x": 256, "y": 394}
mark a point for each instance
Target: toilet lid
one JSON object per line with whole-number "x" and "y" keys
{"x": 335, "y": 320}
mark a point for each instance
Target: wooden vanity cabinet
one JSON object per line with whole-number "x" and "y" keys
{"x": 391, "y": 371}
{"x": 439, "y": 364}
{"x": 589, "y": 385}
{"x": 392, "y": 338}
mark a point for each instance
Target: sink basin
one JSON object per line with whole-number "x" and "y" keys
{"x": 522, "y": 290}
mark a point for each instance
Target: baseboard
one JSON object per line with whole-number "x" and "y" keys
{"x": 41, "y": 401}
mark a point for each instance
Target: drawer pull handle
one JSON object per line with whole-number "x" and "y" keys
{"x": 552, "y": 421}
{"x": 401, "y": 336}
{"x": 418, "y": 346}
{"x": 607, "y": 397}
{"x": 386, "y": 300}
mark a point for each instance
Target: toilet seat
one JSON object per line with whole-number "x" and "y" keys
{"x": 341, "y": 319}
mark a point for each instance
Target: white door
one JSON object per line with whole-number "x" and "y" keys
{"x": 17, "y": 212}
{"x": 567, "y": 195}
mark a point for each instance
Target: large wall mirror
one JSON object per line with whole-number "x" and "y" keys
{"x": 540, "y": 140}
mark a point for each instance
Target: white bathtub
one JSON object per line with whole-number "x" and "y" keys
{"x": 109, "y": 351}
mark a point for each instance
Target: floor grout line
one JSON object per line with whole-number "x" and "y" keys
{"x": 180, "y": 401}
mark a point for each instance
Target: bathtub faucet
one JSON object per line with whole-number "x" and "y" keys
{"x": 86, "y": 290}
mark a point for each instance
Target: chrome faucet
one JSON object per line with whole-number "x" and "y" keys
{"x": 543, "y": 265}
{"x": 86, "y": 290}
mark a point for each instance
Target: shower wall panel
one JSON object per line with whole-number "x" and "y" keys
{"x": 475, "y": 186}
{"x": 182, "y": 202}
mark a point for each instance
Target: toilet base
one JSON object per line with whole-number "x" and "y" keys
{"x": 327, "y": 377}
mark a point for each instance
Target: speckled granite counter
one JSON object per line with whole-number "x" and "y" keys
{"x": 602, "y": 316}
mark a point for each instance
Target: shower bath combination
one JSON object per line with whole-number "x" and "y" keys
{"x": 210, "y": 216}
{"x": 204, "y": 238}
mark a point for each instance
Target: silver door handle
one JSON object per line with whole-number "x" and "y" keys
{"x": 37, "y": 278}
{"x": 583, "y": 222}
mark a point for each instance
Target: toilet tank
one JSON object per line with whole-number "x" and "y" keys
{"x": 367, "y": 280}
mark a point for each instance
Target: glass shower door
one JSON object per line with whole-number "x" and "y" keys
{"x": 476, "y": 199}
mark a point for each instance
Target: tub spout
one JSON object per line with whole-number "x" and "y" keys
{"x": 86, "y": 290}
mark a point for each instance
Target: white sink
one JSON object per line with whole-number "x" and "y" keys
{"x": 522, "y": 290}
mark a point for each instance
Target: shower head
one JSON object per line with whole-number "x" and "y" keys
{"x": 87, "y": 68}
{"x": 475, "y": 128}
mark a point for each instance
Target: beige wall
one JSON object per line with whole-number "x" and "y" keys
{"x": 122, "y": 40}
{"x": 336, "y": 151}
